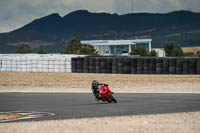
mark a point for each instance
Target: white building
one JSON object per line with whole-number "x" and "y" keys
{"x": 112, "y": 47}
{"x": 160, "y": 52}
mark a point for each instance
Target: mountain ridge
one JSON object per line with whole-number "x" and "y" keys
{"x": 182, "y": 27}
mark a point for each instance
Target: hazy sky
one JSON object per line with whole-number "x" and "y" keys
{"x": 16, "y": 13}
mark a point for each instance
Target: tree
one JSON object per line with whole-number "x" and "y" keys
{"x": 24, "y": 49}
{"x": 75, "y": 47}
{"x": 153, "y": 53}
{"x": 140, "y": 51}
{"x": 40, "y": 51}
{"x": 88, "y": 49}
{"x": 172, "y": 49}
{"x": 176, "y": 52}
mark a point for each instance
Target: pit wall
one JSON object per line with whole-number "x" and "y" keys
{"x": 136, "y": 65}
{"x": 36, "y": 62}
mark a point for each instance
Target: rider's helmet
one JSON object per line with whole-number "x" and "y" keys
{"x": 95, "y": 83}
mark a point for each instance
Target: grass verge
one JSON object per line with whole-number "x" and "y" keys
{"x": 10, "y": 116}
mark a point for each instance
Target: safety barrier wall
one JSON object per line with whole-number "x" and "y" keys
{"x": 136, "y": 65}
{"x": 35, "y": 62}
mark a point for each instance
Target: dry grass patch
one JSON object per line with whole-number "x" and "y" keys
{"x": 9, "y": 116}
{"x": 191, "y": 49}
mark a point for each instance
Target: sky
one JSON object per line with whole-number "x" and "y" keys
{"x": 16, "y": 13}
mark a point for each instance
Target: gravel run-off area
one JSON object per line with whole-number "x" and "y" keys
{"x": 162, "y": 123}
{"x": 188, "y": 122}
{"x": 75, "y": 82}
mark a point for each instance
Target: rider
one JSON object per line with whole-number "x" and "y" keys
{"x": 96, "y": 85}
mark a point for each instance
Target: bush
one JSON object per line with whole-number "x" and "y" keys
{"x": 176, "y": 52}
{"x": 172, "y": 49}
{"x": 75, "y": 47}
{"x": 24, "y": 49}
{"x": 40, "y": 51}
{"x": 153, "y": 53}
{"x": 139, "y": 51}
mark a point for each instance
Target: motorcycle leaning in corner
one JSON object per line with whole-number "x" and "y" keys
{"x": 102, "y": 92}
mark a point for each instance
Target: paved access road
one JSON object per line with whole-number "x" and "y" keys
{"x": 82, "y": 105}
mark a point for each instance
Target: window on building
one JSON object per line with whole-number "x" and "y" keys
{"x": 143, "y": 45}
{"x": 119, "y": 49}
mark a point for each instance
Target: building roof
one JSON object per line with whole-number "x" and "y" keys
{"x": 115, "y": 42}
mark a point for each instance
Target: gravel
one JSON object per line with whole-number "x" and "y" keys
{"x": 75, "y": 82}
{"x": 162, "y": 123}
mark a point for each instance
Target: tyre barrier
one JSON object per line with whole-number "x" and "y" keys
{"x": 159, "y": 66}
{"x": 198, "y": 66}
{"x": 135, "y": 65}
{"x": 80, "y": 62}
{"x": 103, "y": 65}
{"x": 140, "y": 65}
{"x": 86, "y": 65}
{"x": 127, "y": 65}
{"x": 120, "y": 65}
{"x": 146, "y": 66}
{"x": 153, "y": 66}
{"x": 172, "y": 66}
{"x": 114, "y": 66}
{"x": 179, "y": 65}
{"x": 74, "y": 65}
{"x": 193, "y": 65}
{"x": 92, "y": 67}
{"x": 186, "y": 66}
{"x": 166, "y": 63}
{"x": 98, "y": 65}
{"x": 109, "y": 65}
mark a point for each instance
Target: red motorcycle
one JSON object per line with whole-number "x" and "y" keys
{"x": 106, "y": 94}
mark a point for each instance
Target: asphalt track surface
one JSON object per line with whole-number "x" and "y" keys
{"x": 83, "y": 105}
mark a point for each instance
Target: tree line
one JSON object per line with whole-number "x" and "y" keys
{"x": 75, "y": 46}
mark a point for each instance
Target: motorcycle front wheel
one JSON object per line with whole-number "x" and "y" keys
{"x": 112, "y": 99}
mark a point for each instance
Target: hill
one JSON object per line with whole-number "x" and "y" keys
{"x": 53, "y": 31}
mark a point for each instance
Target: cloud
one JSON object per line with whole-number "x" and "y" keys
{"x": 16, "y": 13}
{"x": 161, "y": 6}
